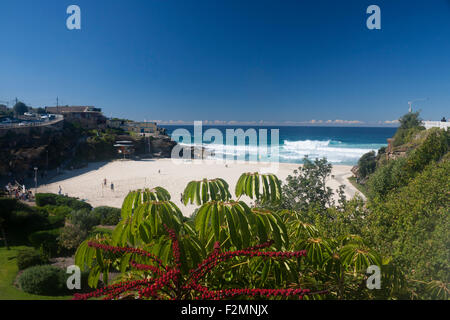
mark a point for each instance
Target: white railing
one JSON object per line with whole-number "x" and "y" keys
{"x": 58, "y": 118}
{"x": 436, "y": 124}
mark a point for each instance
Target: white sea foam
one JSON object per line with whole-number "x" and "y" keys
{"x": 295, "y": 151}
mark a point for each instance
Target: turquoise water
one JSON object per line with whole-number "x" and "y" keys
{"x": 340, "y": 145}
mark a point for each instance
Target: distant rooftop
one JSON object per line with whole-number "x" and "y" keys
{"x": 60, "y": 109}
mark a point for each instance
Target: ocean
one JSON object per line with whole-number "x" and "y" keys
{"x": 339, "y": 145}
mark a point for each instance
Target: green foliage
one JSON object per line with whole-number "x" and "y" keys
{"x": 71, "y": 237}
{"x": 265, "y": 188}
{"x": 397, "y": 173}
{"x": 336, "y": 259}
{"x": 29, "y": 258}
{"x": 43, "y": 280}
{"x": 20, "y": 108}
{"x": 107, "y": 216}
{"x": 47, "y": 240}
{"x": 19, "y": 220}
{"x": 203, "y": 191}
{"x": 366, "y": 164}
{"x": 410, "y": 126}
{"x": 43, "y": 199}
{"x": 306, "y": 188}
{"x": 412, "y": 226}
{"x": 410, "y": 120}
{"x": 58, "y": 211}
{"x": 435, "y": 146}
{"x": 388, "y": 177}
{"x": 84, "y": 219}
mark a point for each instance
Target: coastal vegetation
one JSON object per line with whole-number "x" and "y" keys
{"x": 296, "y": 238}
{"x": 34, "y": 236}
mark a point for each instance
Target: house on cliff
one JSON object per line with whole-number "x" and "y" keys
{"x": 88, "y": 117}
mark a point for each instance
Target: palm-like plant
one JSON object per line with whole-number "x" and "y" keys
{"x": 233, "y": 226}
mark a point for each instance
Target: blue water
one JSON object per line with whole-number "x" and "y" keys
{"x": 340, "y": 145}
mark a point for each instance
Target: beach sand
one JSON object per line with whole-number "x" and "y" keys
{"x": 127, "y": 175}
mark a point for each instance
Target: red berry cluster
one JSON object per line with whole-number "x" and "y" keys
{"x": 122, "y": 250}
{"x": 146, "y": 267}
{"x": 167, "y": 283}
{"x": 113, "y": 290}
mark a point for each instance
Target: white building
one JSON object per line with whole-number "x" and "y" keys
{"x": 436, "y": 124}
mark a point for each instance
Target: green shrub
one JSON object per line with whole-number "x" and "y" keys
{"x": 43, "y": 280}
{"x": 397, "y": 173}
{"x": 100, "y": 231}
{"x": 29, "y": 258}
{"x": 47, "y": 239}
{"x": 71, "y": 237}
{"x": 60, "y": 211}
{"x": 108, "y": 216}
{"x": 435, "y": 145}
{"x": 86, "y": 220}
{"x": 411, "y": 226}
{"x": 56, "y": 221}
{"x": 43, "y": 199}
{"x": 29, "y": 221}
{"x": 367, "y": 164}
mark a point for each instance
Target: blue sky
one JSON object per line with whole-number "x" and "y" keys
{"x": 273, "y": 61}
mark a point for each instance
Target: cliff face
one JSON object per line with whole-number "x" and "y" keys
{"x": 20, "y": 153}
{"x": 71, "y": 147}
{"x": 161, "y": 146}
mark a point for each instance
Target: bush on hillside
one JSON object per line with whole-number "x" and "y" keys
{"x": 29, "y": 258}
{"x": 366, "y": 164}
{"x": 435, "y": 145}
{"x": 411, "y": 225}
{"x": 59, "y": 211}
{"x": 397, "y": 173}
{"x": 71, "y": 237}
{"x": 43, "y": 280}
{"x": 47, "y": 240}
{"x": 43, "y": 199}
{"x": 108, "y": 216}
{"x": 85, "y": 220}
{"x": 410, "y": 125}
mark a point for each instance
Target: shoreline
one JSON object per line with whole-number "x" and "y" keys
{"x": 173, "y": 175}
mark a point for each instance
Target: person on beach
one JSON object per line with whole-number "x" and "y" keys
{"x": 104, "y": 182}
{"x": 112, "y": 186}
{"x": 60, "y": 190}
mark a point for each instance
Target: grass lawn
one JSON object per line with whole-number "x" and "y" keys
{"x": 8, "y": 272}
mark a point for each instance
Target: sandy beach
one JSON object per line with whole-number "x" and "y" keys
{"x": 127, "y": 175}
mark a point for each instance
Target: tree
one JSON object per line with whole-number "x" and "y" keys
{"x": 366, "y": 165}
{"x": 40, "y": 111}
{"x": 72, "y": 236}
{"x": 20, "y": 108}
{"x": 306, "y": 188}
{"x": 410, "y": 120}
{"x": 410, "y": 124}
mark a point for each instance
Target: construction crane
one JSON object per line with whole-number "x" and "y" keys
{"x": 416, "y": 100}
